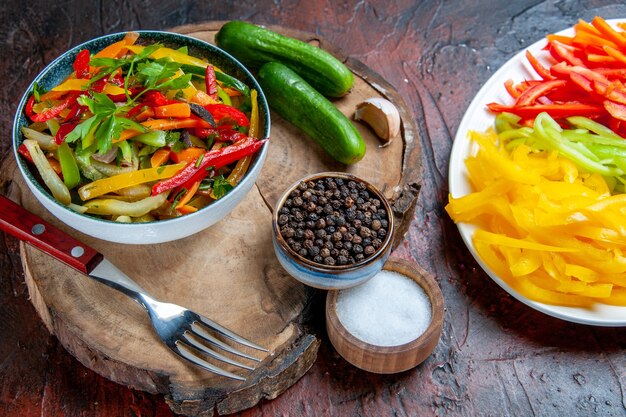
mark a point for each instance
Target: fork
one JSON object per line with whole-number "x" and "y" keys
{"x": 188, "y": 334}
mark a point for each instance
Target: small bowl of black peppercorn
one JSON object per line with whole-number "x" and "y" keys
{"x": 332, "y": 230}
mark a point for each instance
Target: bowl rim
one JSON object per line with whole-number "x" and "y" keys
{"x": 380, "y": 252}
{"x": 17, "y": 136}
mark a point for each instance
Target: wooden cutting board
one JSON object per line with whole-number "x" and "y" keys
{"x": 227, "y": 272}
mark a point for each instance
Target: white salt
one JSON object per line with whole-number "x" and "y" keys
{"x": 388, "y": 310}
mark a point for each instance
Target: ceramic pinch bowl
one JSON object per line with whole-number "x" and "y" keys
{"x": 385, "y": 358}
{"x": 319, "y": 274}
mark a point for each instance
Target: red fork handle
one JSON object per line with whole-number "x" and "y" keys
{"x": 26, "y": 226}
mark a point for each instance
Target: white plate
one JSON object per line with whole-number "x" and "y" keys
{"x": 477, "y": 117}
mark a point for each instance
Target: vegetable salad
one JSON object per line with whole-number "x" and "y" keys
{"x": 549, "y": 179}
{"x": 141, "y": 133}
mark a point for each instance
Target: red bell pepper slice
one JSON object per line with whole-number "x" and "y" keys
{"x": 562, "y": 52}
{"x": 23, "y": 150}
{"x": 211, "y": 81}
{"x": 51, "y": 112}
{"x": 221, "y": 133}
{"x": 75, "y": 110}
{"x": 154, "y": 98}
{"x": 63, "y": 131}
{"x": 539, "y": 68}
{"x": 616, "y": 110}
{"x": 554, "y": 110}
{"x": 530, "y": 95}
{"x": 29, "y": 106}
{"x": 81, "y": 64}
{"x": 225, "y": 114}
{"x": 215, "y": 158}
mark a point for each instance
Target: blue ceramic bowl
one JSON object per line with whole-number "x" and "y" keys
{"x": 333, "y": 277}
{"x": 162, "y": 230}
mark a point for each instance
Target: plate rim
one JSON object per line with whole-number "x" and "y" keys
{"x": 457, "y": 180}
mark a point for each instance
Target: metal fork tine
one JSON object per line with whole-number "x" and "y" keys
{"x": 205, "y": 349}
{"x": 182, "y": 351}
{"x": 199, "y": 331}
{"x": 231, "y": 335}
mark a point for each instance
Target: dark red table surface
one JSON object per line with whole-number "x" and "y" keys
{"x": 496, "y": 357}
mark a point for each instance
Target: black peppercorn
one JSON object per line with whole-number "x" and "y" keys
{"x": 320, "y": 233}
{"x": 333, "y": 221}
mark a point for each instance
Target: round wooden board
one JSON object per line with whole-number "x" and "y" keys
{"x": 227, "y": 272}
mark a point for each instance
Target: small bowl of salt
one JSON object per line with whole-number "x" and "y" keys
{"x": 389, "y": 324}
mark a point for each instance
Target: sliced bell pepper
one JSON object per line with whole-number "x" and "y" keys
{"x": 604, "y": 28}
{"x": 173, "y": 54}
{"x": 532, "y": 94}
{"x": 554, "y": 110}
{"x": 224, "y": 114}
{"x": 214, "y": 158}
{"x": 69, "y": 166}
{"x": 539, "y": 68}
{"x": 187, "y": 155}
{"x": 254, "y": 115}
{"x": 51, "y": 112}
{"x": 110, "y": 184}
{"x": 81, "y": 64}
{"x": 113, "y": 207}
{"x": 116, "y": 49}
{"x": 188, "y": 195}
{"x": 186, "y": 209}
{"x": 63, "y": 131}
{"x": 23, "y": 150}
{"x": 174, "y": 110}
{"x": 159, "y": 157}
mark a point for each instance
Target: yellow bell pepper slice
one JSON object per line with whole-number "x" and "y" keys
{"x": 80, "y": 84}
{"x": 116, "y": 182}
{"x": 552, "y": 232}
{"x": 173, "y": 54}
{"x": 501, "y": 240}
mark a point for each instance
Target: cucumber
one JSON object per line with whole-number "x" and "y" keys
{"x": 299, "y": 103}
{"x": 255, "y": 46}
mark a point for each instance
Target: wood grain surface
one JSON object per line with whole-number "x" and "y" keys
{"x": 495, "y": 357}
{"x": 228, "y": 272}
